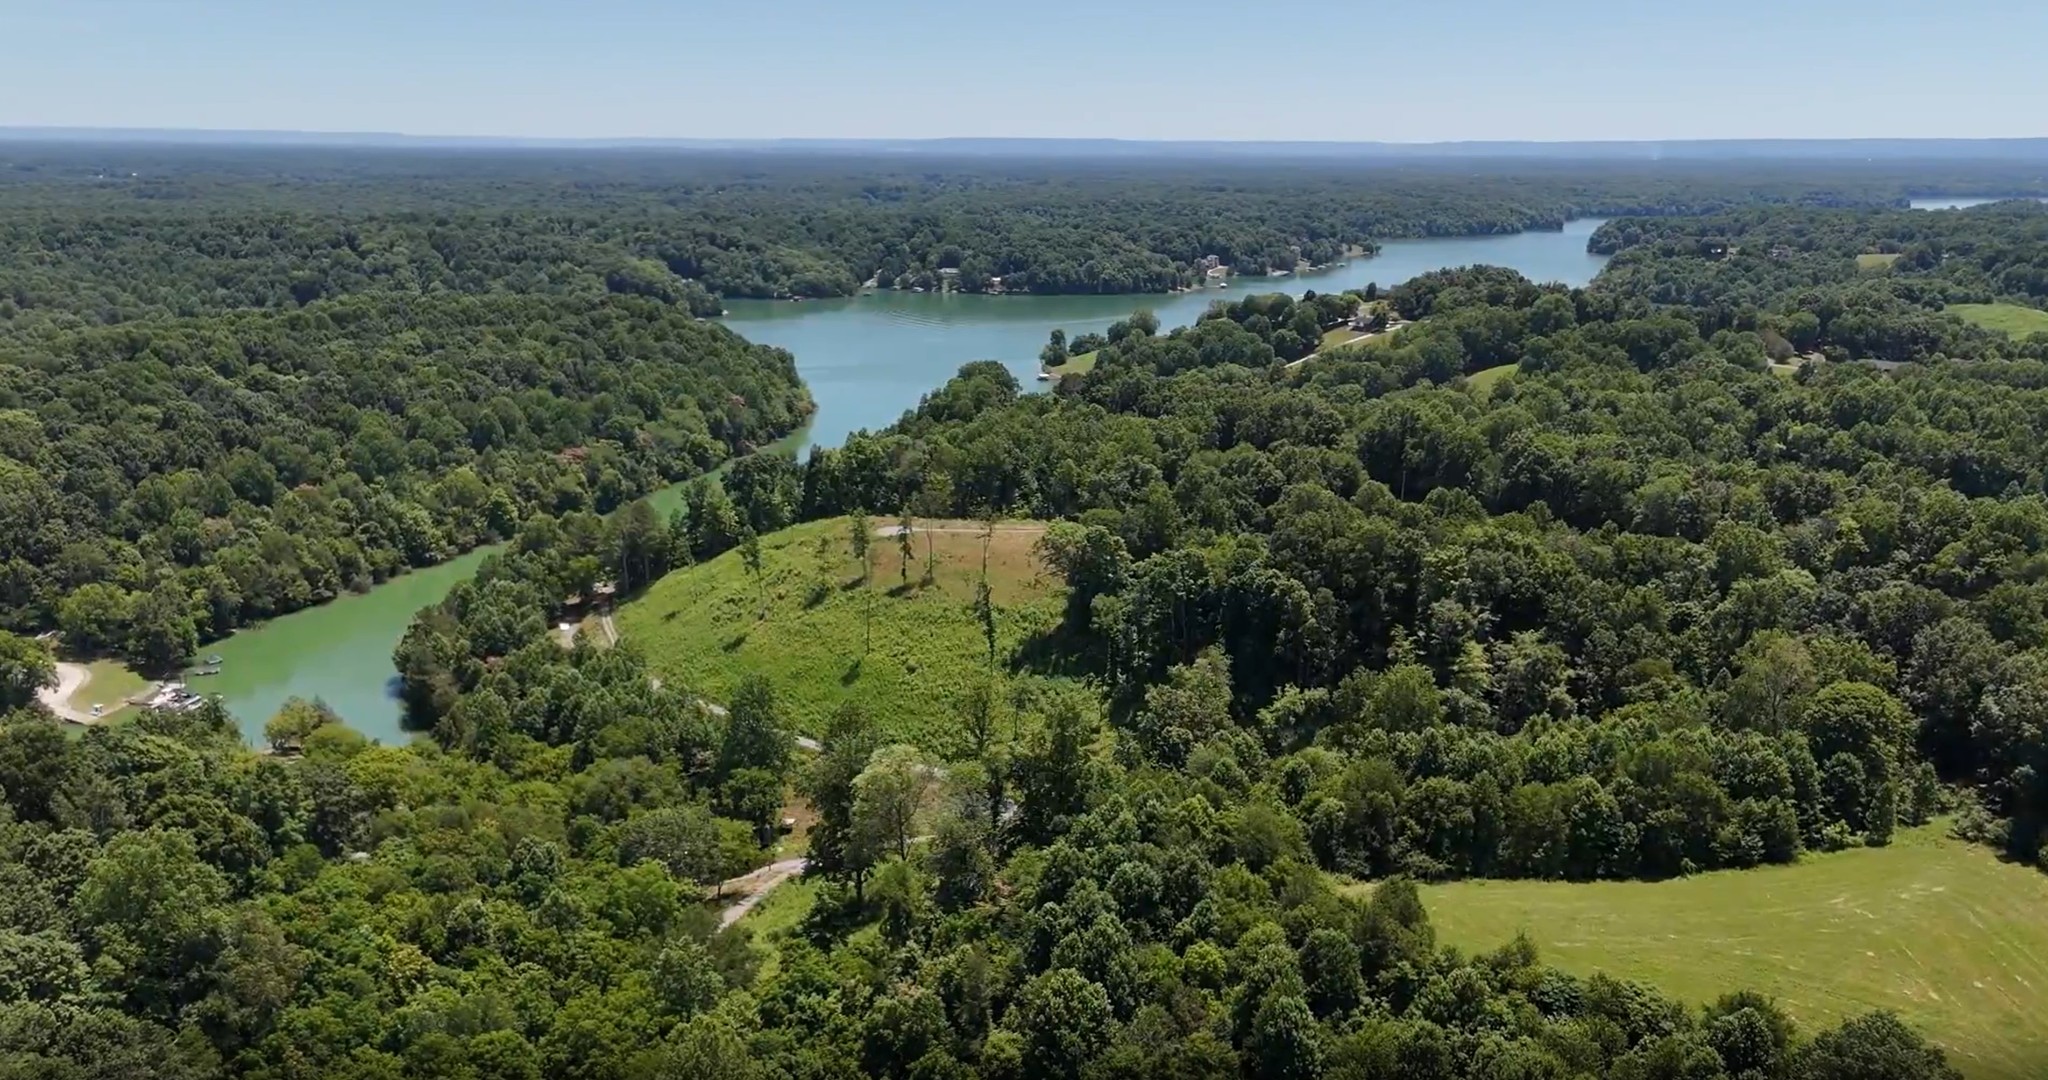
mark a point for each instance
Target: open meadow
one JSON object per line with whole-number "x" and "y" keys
{"x": 1078, "y": 364}
{"x": 1933, "y": 928}
{"x": 2005, "y": 318}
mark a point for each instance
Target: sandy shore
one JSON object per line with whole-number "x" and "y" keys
{"x": 71, "y": 678}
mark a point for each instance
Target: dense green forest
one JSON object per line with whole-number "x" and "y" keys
{"x": 1709, "y": 614}
{"x": 107, "y": 233}
{"x": 1646, "y": 608}
{"x": 1765, "y": 255}
{"x": 525, "y": 907}
{"x": 1648, "y": 600}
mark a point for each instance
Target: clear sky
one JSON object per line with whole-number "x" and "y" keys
{"x": 1191, "y": 69}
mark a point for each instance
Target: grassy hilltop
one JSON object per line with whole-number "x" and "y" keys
{"x": 707, "y": 626}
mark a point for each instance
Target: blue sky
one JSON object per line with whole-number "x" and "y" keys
{"x": 1276, "y": 69}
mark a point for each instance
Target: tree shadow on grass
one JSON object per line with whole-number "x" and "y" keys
{"x": 1057, "y": 650}
{"x": 852, "y": 673}
{"x": 733, "y": 643}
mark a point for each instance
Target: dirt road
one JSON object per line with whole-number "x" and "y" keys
{"x": 755, "y": 887}
{"x": 890, "y": 531}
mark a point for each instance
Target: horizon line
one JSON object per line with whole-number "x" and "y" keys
{"x": 77, "y": 133}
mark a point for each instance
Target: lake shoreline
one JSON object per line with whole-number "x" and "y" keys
{"x": 339, "y": 651}
{"x": 1351, "y": 254}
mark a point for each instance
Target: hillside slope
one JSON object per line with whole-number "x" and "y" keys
{"x": 708, "y": 626}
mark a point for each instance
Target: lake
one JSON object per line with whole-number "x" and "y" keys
{"x": 867, "y": 359}
{"x": 340, "y": 652}
{"x": 1964, "y": 202}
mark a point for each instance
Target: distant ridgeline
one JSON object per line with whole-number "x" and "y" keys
{"x": 120, "y": 230}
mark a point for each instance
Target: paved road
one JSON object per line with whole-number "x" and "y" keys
{"x": 755, "y": 887}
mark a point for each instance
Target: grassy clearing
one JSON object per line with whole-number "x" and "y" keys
{"x": 1342, "y": 335}
{"x": 708, "y": 626}
{"x": 110, "y": 685}
{"x": 776, "y": 916}
{"x": 2005, "y": 318}
{"x": 1080, "y": 364}
{"x": 1486, "y": 379}
{"x": 1932, "y": 928}
{"x": 592, "y": 627}
{"x": 1871, "y": 260}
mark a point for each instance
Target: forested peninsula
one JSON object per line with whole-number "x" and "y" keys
{"x": 165, "y": 481}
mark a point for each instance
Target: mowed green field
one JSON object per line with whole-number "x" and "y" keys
{"x": 110, "y": 686}
{"x": 1932, "y": 928}
{"x": 1485, "y": 379}
{"x": 1871, "y": 260}
{"x": 1342, "y": 335}
{"x": 2006, "y": 318}
{"x": 708, "y": 626}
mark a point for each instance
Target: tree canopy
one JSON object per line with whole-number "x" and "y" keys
{"x": 1645, "y": 600}
{"x": 168, "y": 480}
